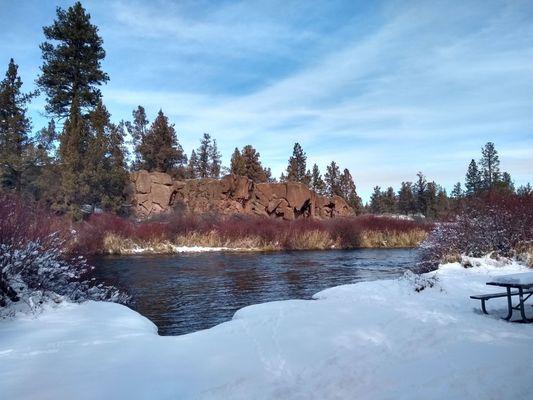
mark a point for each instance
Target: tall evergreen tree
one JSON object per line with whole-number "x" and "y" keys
{"x": 47, "y": 137}
{"x": 14, "y": 129}
{"x": 137, "y": 130}
{"x": 203, "y": 152}
{"x": 457, "y": 191}
{"x": 473, "y": 182}
{"x": 406, "y": 200}
{"x": 297, "y": 166}
{"x": 332, "y": 180}
{"x": 390, "y": 201}
{"x": 506, "y": 184}
{"x": 160, "y": 150}
{"x": 215, "y": 161}
{"x": 253, "y": 168}
{"x": 237, "y": 163}
{"x": 525, "y": 190}
{"x": 490, "y": 163}
{"x": 430, "y": 200}
{"x": 106, "y": 161}
{"x": 117, "y": 175}
{"x": 317, "y": 183}
{"x": 442, "y": 202}
{"x": 376, "y": 201}
{"x": 268, "y": 174}
{"x": 420, "y": 193}
{"x": 72, "y": 56}
{"x": 73, "y": 149}
{"x": 208, "y": 164}
{"x": 348, "y": 191}
{"x": 192, "y": 167}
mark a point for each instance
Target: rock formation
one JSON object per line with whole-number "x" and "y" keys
{"x": 156, "y": 192}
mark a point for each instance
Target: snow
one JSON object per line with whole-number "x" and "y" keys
{"x": 372, "y": 340}
{"x": 178, "y": 249}
{"x": 524, "y": 278}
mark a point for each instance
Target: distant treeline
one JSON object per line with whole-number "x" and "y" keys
{"x": 431, "y": 200}
{"x": 80, "y": 161}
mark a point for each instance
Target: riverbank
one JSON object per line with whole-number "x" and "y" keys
{"x": 109, "y": 234}
{"x": 377, "y": 340}
{"x": 313, "y": 240}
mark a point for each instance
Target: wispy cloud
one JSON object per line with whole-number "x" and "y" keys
{"x": 383, "y": 88}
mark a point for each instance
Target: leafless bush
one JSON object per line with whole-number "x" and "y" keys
{"x": 34, "y": 264}
{"x": 490, "y": 223}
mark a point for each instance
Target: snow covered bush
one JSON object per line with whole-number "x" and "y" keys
{"x": 34, "y": 264}
{"x": 420, "y": 282}
{"x": 497, "y": 223}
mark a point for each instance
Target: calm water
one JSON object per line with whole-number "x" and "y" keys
{"x": 188, "y": 292}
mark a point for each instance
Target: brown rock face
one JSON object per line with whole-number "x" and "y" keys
{"x": 155, "y": 192}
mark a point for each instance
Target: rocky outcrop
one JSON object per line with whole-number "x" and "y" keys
{"x": 156, "y": 192}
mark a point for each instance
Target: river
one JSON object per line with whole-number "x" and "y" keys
{"x": 187, "y": 292}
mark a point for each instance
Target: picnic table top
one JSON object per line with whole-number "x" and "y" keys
{"x": 523, "y": 280}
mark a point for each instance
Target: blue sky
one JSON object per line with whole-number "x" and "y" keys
{"x": 384, "y": 88}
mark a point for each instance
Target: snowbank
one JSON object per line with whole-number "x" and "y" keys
{"x": 373, "y": 340}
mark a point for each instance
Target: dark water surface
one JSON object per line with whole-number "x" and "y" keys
{"x": 187, "y": 292}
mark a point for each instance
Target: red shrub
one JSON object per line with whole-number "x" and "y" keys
{"x": 91, "y": 233}
{"x": 377, "y": 223}
{"x": 35, "y": 264}
{"x": 492, "y": 222}
{"x": 168, "y": 226}
{"x": 21, "y": 224}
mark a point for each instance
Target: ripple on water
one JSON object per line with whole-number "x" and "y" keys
{"x": 184, "y": 293}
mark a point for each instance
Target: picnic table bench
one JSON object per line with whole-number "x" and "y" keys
{"x": 517, "y": 285}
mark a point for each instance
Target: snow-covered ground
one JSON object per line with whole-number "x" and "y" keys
{"x": 373, "y": 340}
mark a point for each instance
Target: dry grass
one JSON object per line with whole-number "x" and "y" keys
{"x": 391, "y": 239}
{"x": 304, "y": 240}
{"x": 524, "y": 252}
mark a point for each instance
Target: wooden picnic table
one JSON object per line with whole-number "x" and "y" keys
{"x": 523, "y": 289}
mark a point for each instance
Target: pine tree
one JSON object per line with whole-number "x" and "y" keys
{"x": 237, "y": 163}
{"x": 430, "y": 200}
{"x": 253, "y": 168}
{"x": 137, "y": 131}
{"x": 192, "y": 167}
{"x": 203, "y": 166}
{"x": 332, "y": 179}
{"x": 73, "y": 147}
{"x": 105, "y": 170}
{"x": 215, "y": 161}
{"x": 14, "y": 129}
{"x": 525, "y": 190}
{"x": 348, "y": 191}
{"x": 390, "y": 201}
{"x": 490, "y": 163}
{"x": 442, "y": 202}
{"x": 297, "y": 169}
{"x": 72, "y": 56}
{"x": 160, "y": 150}
{"x": 268, "y": 174}
{"x": 94, "y": 169}
{"x": 457, "y": 191}
{"x": 473, "y": 182}
{"x": 47, "y": 137}
{"x": 317, "y": 183}
{"x": 116, "y": 176}
{"x": 376, "y": 201}
{"x": 506, "y": 184}
{"x": 406, "y": 200}
{"x": 420, "y": 194}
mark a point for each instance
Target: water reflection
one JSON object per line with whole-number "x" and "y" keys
{"x": 188, "y": 292}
